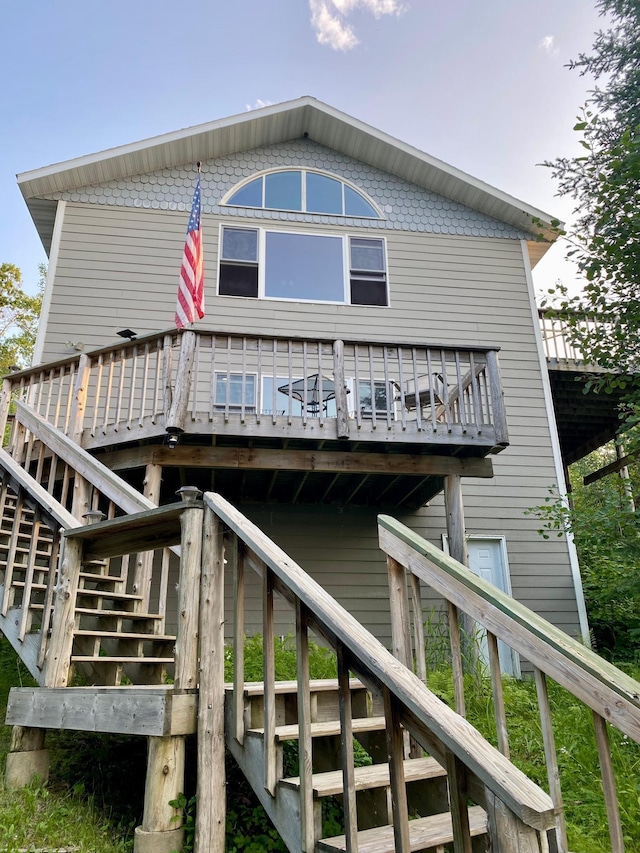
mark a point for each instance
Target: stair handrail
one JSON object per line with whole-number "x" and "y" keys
{"x": 612, "y": 695}
{"x": 447, "y": 736}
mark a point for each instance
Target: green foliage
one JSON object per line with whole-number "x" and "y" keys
{"x": 19, "y": 315}
{"x": 605, "y": 183}
{"x": 322, "y": 661}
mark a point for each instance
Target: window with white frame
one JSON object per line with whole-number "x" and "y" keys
{"x": 232, "y": 389}
{"x": 303, "y": 191}
{"x": 270, "y": 264}
{"x": 382, "y": 400}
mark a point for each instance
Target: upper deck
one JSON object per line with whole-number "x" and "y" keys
{"x": 305, "y": 419}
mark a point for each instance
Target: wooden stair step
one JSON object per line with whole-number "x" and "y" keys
{"x": 109, "y": 595}
{"x": 116, "y": 614}
{"x": 373, "y": 776}
{"x": 97, "y": 659}
{"x": 126, "y": 635}
{"x": 424, "y": 833}
{"x": 40, "y": 586}
{"x": 91, "y": 576}
{"x": 316, "y": 685}
{"x": 328, "y": 729}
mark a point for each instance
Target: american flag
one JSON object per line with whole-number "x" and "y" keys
{"x": 190, "y": 304}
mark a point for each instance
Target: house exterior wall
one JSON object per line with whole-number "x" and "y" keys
{"x": 455, "y": 277}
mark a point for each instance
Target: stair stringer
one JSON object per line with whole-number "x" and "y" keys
{"x": 283, "y": 809}
{"x": 28, "y": 649}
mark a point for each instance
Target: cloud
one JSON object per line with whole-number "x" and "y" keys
{"x": 548, "y": 44}
{"x": 329, "y": 19}
{"x": 259, "y": 104}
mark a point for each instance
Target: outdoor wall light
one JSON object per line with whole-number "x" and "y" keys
{"x": 173, "y": 437}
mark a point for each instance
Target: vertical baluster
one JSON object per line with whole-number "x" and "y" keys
{"x": 458, "y": 799}
{"x": 346, "y": 743}
{"x": 305, "y": 390}
{"x": 608, "y": 783}
{"x": 213, "y": 388}
{"x": 28, "y": 579}
{"x": 118, "y": 415}
{"x": 290, "y": 381}
{"x": 275, "y": 380}
{"x": 403, "y": 408}
{"x": 11, "y": 556}
{"x": 40, "y": 463}
{"x": 145, "y": 380}
{"x": 38, "y": 400}
{"x": 228, "y": 389}
{"x": 416, "y": 388}
{"x": 132, "y": 385}
{"x": 69, "y": 398}
{"x": 307, "y": 827}
{"x": 163, "y": 590}
{"x": 461, "y": 409}
{"x": 395, "y": 750}
{"x": 56, "y": 418}
{"x": 47, "y": 607}
{"x": 243, "y": 389}
{"x": 475, "y": 391}
{"x": 238, "y": 641}
{"x": 107, "y": 401}
{"x": 445, "y": 390}
{"x": 66, "y": 482}
{"x": 432, "y": 391}
{"x": 158, "y": 382}
{"x": 258, "y": 389}
{"x": 418, "y": 628}
{"x": 551, "y": 759}
{"x": 270, "y": 756}
{"x": 321, "y": 385}
{"x": 498, "y": 696}
{"x": 387, "y": 385}
{"x": 50, "y": 383}
{"x": 374, "y": 416}
{"x": 456, "y": 658}
{"x": 51, "y": 482}
{"x": 96, "y": 404}
{"x": 357, "y": 408}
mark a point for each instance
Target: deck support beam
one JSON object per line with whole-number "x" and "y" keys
{"x": 27, "y": 758}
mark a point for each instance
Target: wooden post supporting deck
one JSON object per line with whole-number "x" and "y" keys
{"x": 161, "y": 830}
{"x": 176, "y": 416}
{"x": 27, "y": 759}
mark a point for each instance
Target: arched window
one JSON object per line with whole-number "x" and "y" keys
{"x": 304, "y": 191}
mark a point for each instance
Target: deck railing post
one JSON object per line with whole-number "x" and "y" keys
{"x": 342, "y": 409}
{"x": 211, "y": 793}
{"x": 58, "y": 659}
{"x": 5, "y": 404}
{"x": 499, "y": 414}
{"x": 186, "y": 667}
{"x": 79, "y": 402}
{"x": 176, "y": 416}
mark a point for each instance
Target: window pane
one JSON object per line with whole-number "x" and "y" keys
{"x": 283, "y": 191}
{"x": 381, "y": 398}
{"x": 238, "y": 280}
{"x": 324, "y": 195}
{"x": 239, "y": 244}
{"x": 367, "y": 254}
{"x": 304, "y": 266}
{"x": 250, "y": 195}
{"x": 233, "y": 388}
{"x": 368, "y": 291}
{"x": 356, "y": 205}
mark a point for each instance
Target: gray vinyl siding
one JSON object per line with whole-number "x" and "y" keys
{"x": 118, "y": 267}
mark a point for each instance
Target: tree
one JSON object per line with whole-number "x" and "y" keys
{"x": 605, "y": 182}
{"x": 19, "y": 314}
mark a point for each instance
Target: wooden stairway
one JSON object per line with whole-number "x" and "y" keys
{"x": 430, "y": 828}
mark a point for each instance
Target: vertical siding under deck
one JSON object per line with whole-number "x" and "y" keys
{"x": 117, "y": 268}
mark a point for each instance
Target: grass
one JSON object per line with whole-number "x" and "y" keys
{"x": 94, "y": 797}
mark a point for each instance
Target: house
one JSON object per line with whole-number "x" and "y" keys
{"x": 371, "y": 344}
{"x": 317, "y": 226}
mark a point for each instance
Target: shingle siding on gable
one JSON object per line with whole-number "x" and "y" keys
{"x": 406, "y": 207}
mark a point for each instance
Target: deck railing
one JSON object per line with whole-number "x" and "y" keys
{"x": 271, "y": 386}
{"x": 556, "y": 339}
{"x": 613, "y": 696}
{"x": 476, "y": 770}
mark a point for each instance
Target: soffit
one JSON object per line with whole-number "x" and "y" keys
{"x": 267, "y": 126}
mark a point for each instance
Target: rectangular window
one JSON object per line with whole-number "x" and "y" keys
{"x": 367, "y": 271}
{"x": 232, "y": 388}
{"x": 239, "y": 262}
{"x": 383, "y": 398}
{"x": 300, "y": 266}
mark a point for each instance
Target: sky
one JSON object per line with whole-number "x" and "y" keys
{"x": 481, "y": 85}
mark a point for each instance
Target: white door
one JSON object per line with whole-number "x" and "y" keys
{"x": 488, "y": 560}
